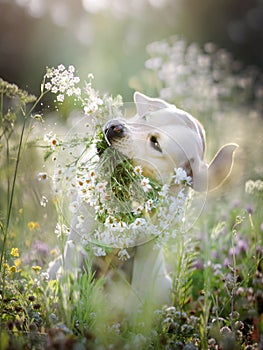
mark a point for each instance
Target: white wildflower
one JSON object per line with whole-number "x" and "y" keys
{"x": 90, "y": 76}
{"x": 145, "y": 184}
{"x": 164, "y": 191}
{"x": 181, "y": 177}
{"x": 252, "y": 187}
{"x": 42, "y": 176}
{"x": 138, "y": 223}
{"x": 138, "y": 210}
{"x": 58, "y": 230}
{"x": 48, "y": 86}
{"x": 43, "y": 201}
{"x": 61, "y": 67}
{"x": 62, "y": 80}
{"x": 123, "y": 255}
{"x": 60, "y": 98}
{"x": 149, "y": 205}
{"x": 138, "y": 170}
{"x": 101, "y": 187}
{"x": 98, "y": 251}
{"x": 122, "y": 225}
{"x": 81, "y": 221}
{"x": 77, "y": 91}
{"x": 73, "y": 207}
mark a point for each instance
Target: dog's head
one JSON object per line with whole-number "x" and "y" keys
{"x": 161, "y": 137}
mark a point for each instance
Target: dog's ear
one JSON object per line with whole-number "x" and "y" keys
{"x": 145, "y": 104}
{"x": 210, "y": 177}
{"x": 221, "y": 166}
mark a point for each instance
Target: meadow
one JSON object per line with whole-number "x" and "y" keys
{"x": 216, "y": 265}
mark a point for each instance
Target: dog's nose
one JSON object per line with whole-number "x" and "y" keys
{"x": 114, "y": 129}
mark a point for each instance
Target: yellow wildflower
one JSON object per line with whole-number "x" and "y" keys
{"x": 54, "y": 252}
{"x": 33, "y": 225}
{"x": 36, "y": 268}
{"x": 12, "y": 268}
{"x": 15, "y": 252}
{"x": 17, "y": 262}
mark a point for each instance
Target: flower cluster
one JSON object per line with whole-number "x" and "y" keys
{"x": 61, "y": 81}
{"x": 128, "y": 208}
{"x": 114, "y": 205}
{"x": 252, "y": 187}
{"x": 201, "y": 79}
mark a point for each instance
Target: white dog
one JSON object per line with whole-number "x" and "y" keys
{"x": 160, "y": 138}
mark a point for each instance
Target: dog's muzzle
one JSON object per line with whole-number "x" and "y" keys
{"x": 113, "y": 130}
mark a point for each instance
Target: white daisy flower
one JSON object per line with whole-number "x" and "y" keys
{"x": 42, "y": 176}
{"x": 149, "y": 205}
{"x": 145, "y": 184}
{"x": 73, "y": 207}
{"x": 101, "y": 187}
{"x": 138, "y": 170}
{"x": 138, "y": 210}
{"x": 139, "y": 222}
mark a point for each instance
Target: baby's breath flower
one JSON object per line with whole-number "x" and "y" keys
{"x": 252, "y": 187}
{"x": 62, "y": 81}
{"x": 61, "y": 67}
{"x": 98, "y": 251}
{"x": 48, "y": 86}
{"x": 15, "y": 252}
{"x": 60, "y": 98}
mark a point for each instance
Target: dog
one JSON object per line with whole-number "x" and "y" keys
{"x": 159, "y": 138}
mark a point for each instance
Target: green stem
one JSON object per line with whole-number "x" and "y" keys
{"x": 10, "y": 200}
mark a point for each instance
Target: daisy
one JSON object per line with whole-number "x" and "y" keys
{"x": 139, "y": 222}
{"x": 138, "y": 170}
{"x": 145, "y": 184}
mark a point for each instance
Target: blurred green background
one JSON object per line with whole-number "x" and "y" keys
{"x": 108, "y": 37}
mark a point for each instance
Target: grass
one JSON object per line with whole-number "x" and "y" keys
{"x": 217, "y": 268}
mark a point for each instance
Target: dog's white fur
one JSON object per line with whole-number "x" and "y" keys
{"x": 160, "y": 137}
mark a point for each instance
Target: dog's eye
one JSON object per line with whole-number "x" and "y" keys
{"x": 155, "y": 143}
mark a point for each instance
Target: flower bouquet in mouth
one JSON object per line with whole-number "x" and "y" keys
{"x": 112, "y": 203}
{"x": 115, "y": 206}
